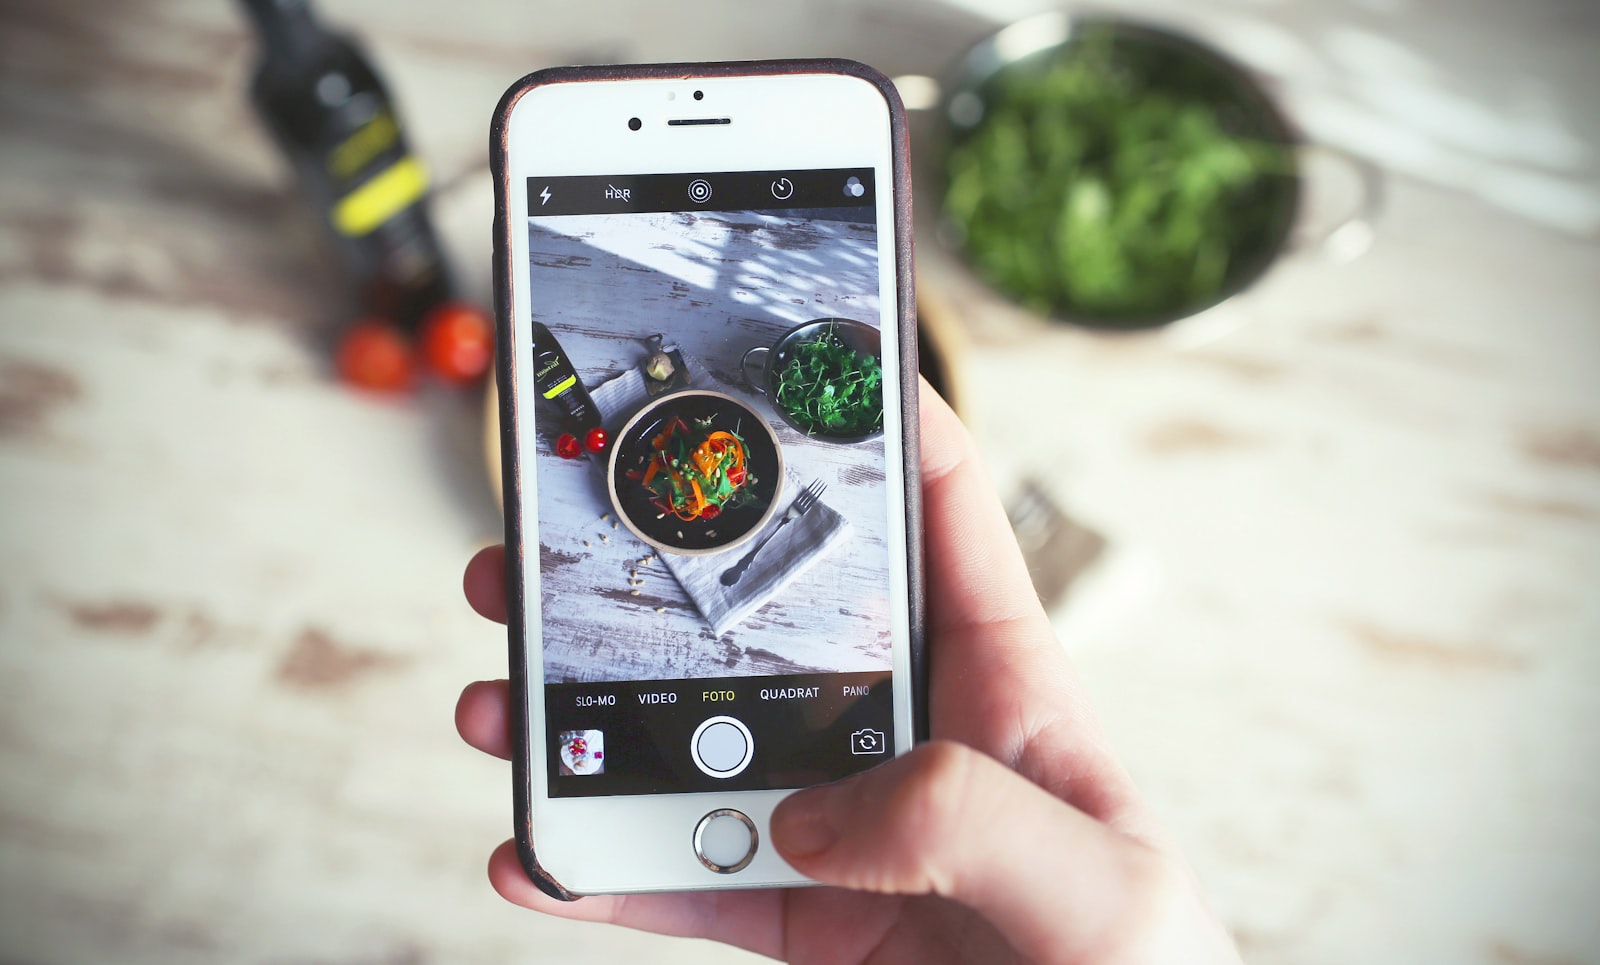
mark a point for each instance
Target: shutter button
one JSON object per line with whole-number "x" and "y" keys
{"x": 721, "y": 746}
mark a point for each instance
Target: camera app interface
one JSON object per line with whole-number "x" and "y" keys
{"x": 715, "y": 548}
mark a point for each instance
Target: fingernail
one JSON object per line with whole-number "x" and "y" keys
{"x": 800, "y": 824}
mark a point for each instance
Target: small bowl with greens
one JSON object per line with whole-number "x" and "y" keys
{"x": 824, "y": 378}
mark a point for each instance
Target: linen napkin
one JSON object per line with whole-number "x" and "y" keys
{"x": 793, "y": 549}
{"x": 619, "y": 398}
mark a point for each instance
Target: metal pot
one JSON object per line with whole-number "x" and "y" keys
{"x": 858, "y": 336}
{"x": 964, "y": 99}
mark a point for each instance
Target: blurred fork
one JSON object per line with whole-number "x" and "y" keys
{"x": 802, "y": 505}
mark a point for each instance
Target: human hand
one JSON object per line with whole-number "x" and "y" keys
{"x": 1014, "y": 835}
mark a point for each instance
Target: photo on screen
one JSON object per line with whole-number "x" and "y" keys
{"x": 580, "y": 753}
{"x": 734, "y": 519}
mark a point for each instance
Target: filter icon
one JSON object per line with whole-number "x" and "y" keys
{"x": 853, "y": 188}
{"x": 700, "y": 191}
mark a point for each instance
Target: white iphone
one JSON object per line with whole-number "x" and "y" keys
{"x": 707, "y": 375}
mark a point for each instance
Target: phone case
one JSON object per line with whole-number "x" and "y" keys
{"x": 506, "y": 373}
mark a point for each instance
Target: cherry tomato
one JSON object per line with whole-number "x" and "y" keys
{"x": 596, "y": 440}
{"x": 458, "y": 342}
{"x": 736, "y": 475}
{"x": 711, "y": 512}
{"x": 567, "y": 446}
{"x": 374, "y": 354}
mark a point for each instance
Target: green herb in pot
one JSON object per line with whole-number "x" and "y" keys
{"x": 830, "y": 389}
{"x": 1115, "y": 179}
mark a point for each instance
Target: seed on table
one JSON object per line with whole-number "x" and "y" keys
{"x": 613, "y": 525}
{"x": 634, "y": 592}
{"x": 661, "y": 609}
{"x": 604, "y": 517}
{"x": 604, "y": 538}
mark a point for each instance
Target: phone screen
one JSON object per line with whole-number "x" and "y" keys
{"x": 717, "y": 549}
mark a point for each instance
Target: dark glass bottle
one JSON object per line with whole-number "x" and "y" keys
{"x": 557, "y": 381}
{"x": 330, "y": 114}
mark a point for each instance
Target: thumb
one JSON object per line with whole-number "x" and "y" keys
{"x": 947, "y": 820}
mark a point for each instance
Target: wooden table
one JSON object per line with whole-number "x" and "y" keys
{"x": 716, "y": 284}
{"x": 1354, "y": 670}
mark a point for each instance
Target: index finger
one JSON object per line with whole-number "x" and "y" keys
{"x": 1000, "y": 681}
{"x": 975, "y": 570}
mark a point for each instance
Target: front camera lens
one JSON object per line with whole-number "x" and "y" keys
{"x": 699, "y": 95}
{"x": 634, "y": 123}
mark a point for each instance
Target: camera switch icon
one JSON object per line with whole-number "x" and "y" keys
{"x": 868, "y": 741}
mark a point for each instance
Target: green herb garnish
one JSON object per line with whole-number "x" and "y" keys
{"x": 829, "y": 388}
{"x": 1116, "y": 178}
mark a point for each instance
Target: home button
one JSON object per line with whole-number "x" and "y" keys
{"x": 725, "y": 841}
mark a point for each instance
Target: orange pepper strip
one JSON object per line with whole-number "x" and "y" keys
{"x": 732, "y": 441}
{"x": 705, "y": 460}
{"x": 694, "y": 504}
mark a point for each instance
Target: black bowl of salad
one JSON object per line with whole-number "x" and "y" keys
{"x": 695, "y": 473}
{"x": 825, "y": 378}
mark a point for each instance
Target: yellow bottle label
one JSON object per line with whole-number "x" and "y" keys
{"x": 565, "y": 384}
{"x": 391, "y": 191}
{"x": 364, "y": 146}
